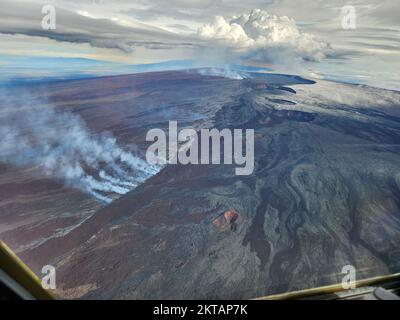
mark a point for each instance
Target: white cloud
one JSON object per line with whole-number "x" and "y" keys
{"x": 148, "y": 31}
{"x": 83, "y": 27}
{"x": 261, "y": 31}
{"x": 221, "y": 30}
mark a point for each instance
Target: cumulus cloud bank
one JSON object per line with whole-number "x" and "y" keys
{"x": 261, "y": 35}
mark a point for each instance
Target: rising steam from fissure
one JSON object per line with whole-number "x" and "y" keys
{"x": 60, "y": 145}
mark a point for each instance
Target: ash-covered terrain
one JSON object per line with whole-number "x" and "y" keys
{"x": 325, "y": 191}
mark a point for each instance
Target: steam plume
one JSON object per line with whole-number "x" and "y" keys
{"x": 60, "y": 145}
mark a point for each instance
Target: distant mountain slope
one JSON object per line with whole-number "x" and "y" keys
{"x": 325, "y": 191}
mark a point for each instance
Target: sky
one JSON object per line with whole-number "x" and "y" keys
{"x": 293, "y": 36}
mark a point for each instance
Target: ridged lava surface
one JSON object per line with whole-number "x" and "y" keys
{"x": 325, "y": 191}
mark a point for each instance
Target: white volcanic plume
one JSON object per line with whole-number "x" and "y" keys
{"x": 60, "y": 145}
{"x": 262, "y": 36}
